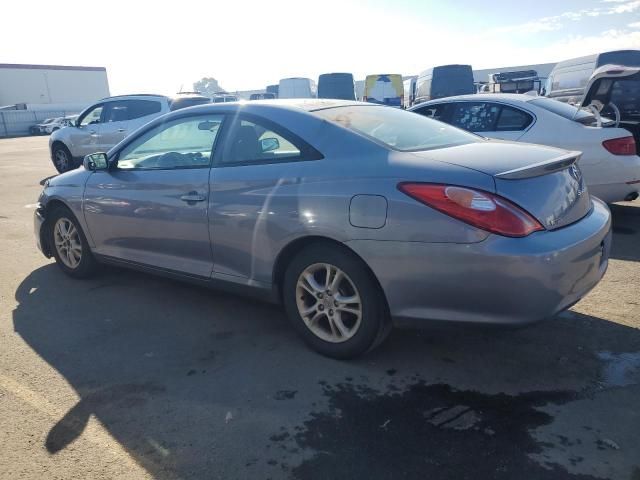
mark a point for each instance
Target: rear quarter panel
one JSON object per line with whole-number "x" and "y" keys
{"x": 256, "y": 211}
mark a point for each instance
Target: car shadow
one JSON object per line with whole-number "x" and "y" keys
{"x": 626, "y": 231}
{"x": 194, "y": 383}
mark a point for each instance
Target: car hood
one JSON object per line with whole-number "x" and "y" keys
{"x": 600, "y": 86}
{"x": 71, "y": 178}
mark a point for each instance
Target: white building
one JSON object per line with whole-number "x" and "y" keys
{"x": 51, "y": 87}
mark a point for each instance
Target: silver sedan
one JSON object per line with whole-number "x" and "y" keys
{"x": 355, "y": 216}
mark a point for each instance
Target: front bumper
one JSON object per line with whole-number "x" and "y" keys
{"x": 38, "y": 230}
{"x": 500, "y": 280}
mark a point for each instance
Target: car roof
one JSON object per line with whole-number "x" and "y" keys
{"x": 134, "y": 95}
{"x": 295, "y": 104}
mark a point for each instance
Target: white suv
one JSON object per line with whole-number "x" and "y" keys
{"x": 102, "y": 125}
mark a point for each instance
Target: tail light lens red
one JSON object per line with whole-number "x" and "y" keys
{"x": 621, "y": 146}
{"x": 481, "y": 209}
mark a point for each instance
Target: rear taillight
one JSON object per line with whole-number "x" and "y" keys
{"x": 620, "y": 146}
{"x": 481, "y": 209}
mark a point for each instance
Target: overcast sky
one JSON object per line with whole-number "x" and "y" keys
{"x": 163, "y": 46}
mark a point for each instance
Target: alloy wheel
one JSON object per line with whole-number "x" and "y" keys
{"x": 328, "y": 302}
{"x": 61, "y": 160}
{"x": 67, "y": 241}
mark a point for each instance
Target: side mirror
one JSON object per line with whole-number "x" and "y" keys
{"x": 269, "y": 144}
{"x": 95, "y": 162}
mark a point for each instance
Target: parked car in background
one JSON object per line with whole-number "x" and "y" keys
{"x": 69, "y": 121}
{"x": 384, "y": 89}
{"x": 38, "y": 128}
{"x": 297, "y": 88}
{"x": 273, "y": 89}
{"x": 102, "y": 125}
{"x": 569, "y": 78}
{"x": 609, "y": 161}
{"x": 354, "y": 216}
{"x": 224, "y": 98}
{"x": 337, "y": 85}
{"x": 262, "y": 96}
{"x": 55, "y": 124}
{"x": 188, "y": 99}
{"x": 514, "y": 82}
{"x": 409, "y": 91}
{"x": 444, "y": 81}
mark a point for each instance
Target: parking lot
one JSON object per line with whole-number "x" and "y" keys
{"x": 133, "y": 376}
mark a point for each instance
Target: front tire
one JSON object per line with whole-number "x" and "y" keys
{"x": 69, "y": 244}
{"x": 62, "y": 159}
{"x": 333, "y": 302}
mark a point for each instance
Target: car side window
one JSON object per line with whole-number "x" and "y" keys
{"x": 513, "y": 119}
{"x": 437, "y": 112}
{"x": 115, "y": 112}
{"x": 475, "y": 116}
{"x": 92, "y": 117}
{"x": 251, "y": 142}
{"x": 142, "y": 108}
{"x": 181, "y": 143}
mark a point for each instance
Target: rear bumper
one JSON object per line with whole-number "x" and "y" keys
{"x": 614, "y": 192}
{"x": 497, "y": 281}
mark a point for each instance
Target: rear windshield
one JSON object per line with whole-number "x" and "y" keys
{"x": 397, "y": 129}
{"x": 563, "y": 109}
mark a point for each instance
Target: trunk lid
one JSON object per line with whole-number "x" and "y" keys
{"x": 603, "y": 81}
{"x": 544, "y": 181}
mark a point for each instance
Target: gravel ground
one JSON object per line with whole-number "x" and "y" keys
{"x": 133, "y": 376}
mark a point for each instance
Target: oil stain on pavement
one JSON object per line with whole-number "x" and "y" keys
{"x": 424, "y": 431}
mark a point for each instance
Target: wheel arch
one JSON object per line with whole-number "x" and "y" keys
{"x": 58, "y": 143}
{"x": 290, "y": 250}
{"x": 48, "y": 209}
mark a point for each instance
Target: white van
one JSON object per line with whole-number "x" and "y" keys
{"x": 297, "y": 88}
{"x": 567, "y": 80}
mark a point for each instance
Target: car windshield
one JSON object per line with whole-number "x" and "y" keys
{"x": 397, "y": 129}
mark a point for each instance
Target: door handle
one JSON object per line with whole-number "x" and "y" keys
{"x": 93, "y": 133}
{"x": 121, "y": 130}
{"x": 193, "y": 197}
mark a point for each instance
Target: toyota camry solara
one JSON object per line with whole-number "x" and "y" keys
{"x": 354, "y": 216}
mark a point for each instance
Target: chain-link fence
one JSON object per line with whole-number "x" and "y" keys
{"x": 14, "y": 123}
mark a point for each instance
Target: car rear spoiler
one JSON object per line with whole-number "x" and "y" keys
{"x": 542, "y": 168}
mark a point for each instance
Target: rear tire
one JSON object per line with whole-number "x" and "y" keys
{"x": 334, "y": 303}
{"x": 62, "y": 159}
{"x": 69, "y": 244}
